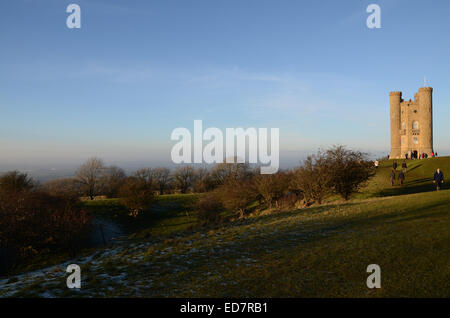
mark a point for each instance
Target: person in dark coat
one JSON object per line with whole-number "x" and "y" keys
{"x": 392, "y": 177}
{"x": 401, "y": 177}
{"x": 394, "y": 165}
{"x": 438, "y": 178}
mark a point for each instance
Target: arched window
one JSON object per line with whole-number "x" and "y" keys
{"x": 415, "y": 125}
{"x": 415, "y": 140}
{"x": 403, "y": 125}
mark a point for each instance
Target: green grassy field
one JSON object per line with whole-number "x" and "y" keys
{"x": 167, "y": 214}
{"x": 419, "y": 177}
{"x": 320, "y": 251}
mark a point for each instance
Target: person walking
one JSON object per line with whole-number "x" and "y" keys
{"x": 438, "y": 179}
{"x": 404, "y": 166}
{"x": 392, "y": 177}
{"x": 394, "y": 165}
{"x": 376, "y": 164}
{"x": 401, "y": 177}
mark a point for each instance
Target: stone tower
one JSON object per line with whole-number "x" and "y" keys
{"x": 411, "y": 124}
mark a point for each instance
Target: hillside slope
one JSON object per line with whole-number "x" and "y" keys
{"x": 315, "y": 252}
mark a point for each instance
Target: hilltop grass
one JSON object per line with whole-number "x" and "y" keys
{"x": 419, "y": 177}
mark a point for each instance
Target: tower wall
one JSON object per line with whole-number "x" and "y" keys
{"x": 426, "y": 119}
{"x": 395, "y": 100}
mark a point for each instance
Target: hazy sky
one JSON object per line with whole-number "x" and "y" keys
{"x": 117, "y": 87}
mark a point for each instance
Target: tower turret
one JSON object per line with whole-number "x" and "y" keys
{"x": 426, "y": 119}
{"x": 395, "y": 100}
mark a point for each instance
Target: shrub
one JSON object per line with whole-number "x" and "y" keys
{"x": 272, "y": 187}
{"x": 67, "y": 187}
{"x": 112, "y": 180}
{"x": 236, "y": 195}
{"x": 136, "y": 194}
{"x": 209, "y": 208}
{"x": 349, "y": 170}
{"x": 14, "y": 181}
{"x": 288, "y": 201}
{"x": 313, "y": 179}
{"x": 33, "y": 221}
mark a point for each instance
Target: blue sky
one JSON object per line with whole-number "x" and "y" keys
{"x": 117, "y": 87}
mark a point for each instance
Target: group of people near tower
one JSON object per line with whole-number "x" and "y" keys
{"x": 438, "y": 178}
{"x": 415, "y": 155}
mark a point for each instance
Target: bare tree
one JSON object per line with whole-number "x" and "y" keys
{"x": 14, "y": 181}
{"x": 236, "y": 195}
{"x": 113, "y": 179}
{"x": 147, "y": 176}
{"x": 272, "y": 187}
{"x": 184, "y": 178}
{"x": 163, "y": 178}
{"x": 313, "y": 179}
{"x": 89, "y": 175}
{"x": 222, "y": 172}
{"x": 203, "y": 180}
{"x": 349, "y": 170}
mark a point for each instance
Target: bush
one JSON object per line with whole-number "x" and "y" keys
{"x": 288, "y": 201}
{"x": 209, "y": 208}
{"x": 236, "y": 195}
{"x": 14, "y": 181}
{"x": 67, "y": 187}
{"x": 136, "y": 194}
{"x": 33, "y": 221}
{"x": 349, "y": 170}
{"x": 272, "y": 187}
{"x": 313, "y": 179}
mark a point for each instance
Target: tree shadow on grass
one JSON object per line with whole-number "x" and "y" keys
{"x": 336, "y": 227}
{"x": 415, "y": 167}
{"x": 411, "y": 187}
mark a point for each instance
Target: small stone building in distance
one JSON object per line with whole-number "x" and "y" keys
{"x": 411, "y": 124}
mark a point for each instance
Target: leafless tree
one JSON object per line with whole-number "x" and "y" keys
{"x": 15, "y": 181}
{"x": 113, "y": 179}
{"x": 313, "y": 179}
{"x": 236, "y": 195}
{"x": 272, "y": 187}
{"x": 162, "y": 178}
{"x": 147, "y": 176}
{"x": 349, "y": 170}
{"x": 184, "y": 178}
{"x": 89, "y": 175}
{"x": 222, "y": 172}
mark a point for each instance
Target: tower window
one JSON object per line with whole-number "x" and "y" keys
{"x": 403, "y": 125}
{"x": 415, "y": 125}
{"x": 415, "y": 140}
